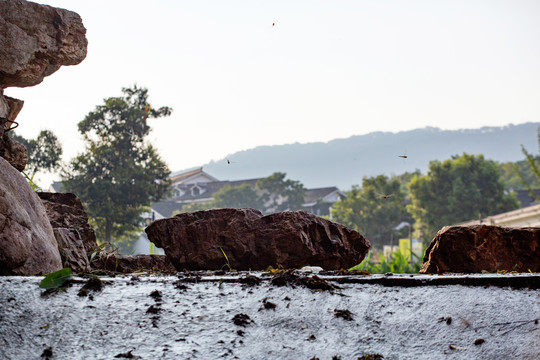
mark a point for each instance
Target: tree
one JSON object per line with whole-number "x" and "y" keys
{"x": 533, "y": 170}
{"x": 120, "y": 173}
{"x": 279, "y": 194}
{"x": 373, "y": 209}
{"x": 44, "y": 152}
{"x": 518, "y": 175}
{"x": 241, "y": 196}
{"x": 456, "y": 190}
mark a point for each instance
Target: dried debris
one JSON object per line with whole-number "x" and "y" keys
{"x": 241, "y": 320}
{"x": 344, "y": 314}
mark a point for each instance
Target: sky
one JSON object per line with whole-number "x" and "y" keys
{"x": 239, "y": 74}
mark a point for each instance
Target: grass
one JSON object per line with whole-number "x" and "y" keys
{"x": 227, "y": 264}
{"x": 396, "y": 263}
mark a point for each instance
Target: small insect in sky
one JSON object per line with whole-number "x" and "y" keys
{"x": 403, "y": 155}
{"x": 273, "y": 24}
{"x": 386, "y": 196}
{"x": 230, "y": 162}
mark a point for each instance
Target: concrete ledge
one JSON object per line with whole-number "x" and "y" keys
{"x": 248, "y": 316}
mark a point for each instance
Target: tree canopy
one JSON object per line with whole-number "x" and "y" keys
{"x": 119, "y": 173}
{"x": 44, "y": 152}
{"x": 529, "y": 175}
{"x": 456, "y": 190}
{"x": 374, "y": 209}
{"x": 279, "y": 194}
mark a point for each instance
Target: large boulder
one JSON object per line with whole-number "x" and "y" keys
{"x": 245, "y": 239}
{"x": 35, "y": 40}
{"x": 27, "y": 242}
{"x": 480, "y": 248}
{"x": 65, "y": 210}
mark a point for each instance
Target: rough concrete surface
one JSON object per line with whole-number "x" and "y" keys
{"x": 216, "y": 317}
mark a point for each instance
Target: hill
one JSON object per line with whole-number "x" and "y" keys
{"x": 343, "y": 162}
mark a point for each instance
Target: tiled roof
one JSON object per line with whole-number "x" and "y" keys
{"x": 185, "y": 175}
{"x": 312, "y": 195}
{"x": 208, "y": 189}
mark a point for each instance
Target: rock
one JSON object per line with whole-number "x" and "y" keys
{"x": 132, "y": 263}
{"x": 35, "y": 40}
{"x": 27, "y": 242}
{"x": 477, "y": 248}
{"x": 15, "y": 107}
{"x": 292, "y": 239}
{"x": 13, "y": 152}
{"x": 71, "y": 250}
{"x": 65, "y": 210}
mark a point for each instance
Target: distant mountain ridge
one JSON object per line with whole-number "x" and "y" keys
{"x": 343, "y": 162}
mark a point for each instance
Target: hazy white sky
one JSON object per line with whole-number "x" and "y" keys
{"x": 327, "y": 69}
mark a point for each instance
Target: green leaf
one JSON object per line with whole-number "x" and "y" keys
{"x": 55, "y": 279}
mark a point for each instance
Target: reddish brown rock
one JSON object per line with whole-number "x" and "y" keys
{"x": 477, "y": 248}
{"x": 15, "y": 107}
{"x": 291, "y": 239}
{"x": 35, "y": 40}
{"x": 132, "y": 263}
{"x": 65, "y": 210}
{"x": 27, "y": 242}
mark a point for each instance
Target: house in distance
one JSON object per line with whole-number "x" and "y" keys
{"x": 197, "y": 186}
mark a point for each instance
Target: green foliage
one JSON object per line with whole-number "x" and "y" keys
{"x": 518, "y": 175}
{"x": 227, "y": 263}
{"x": 44, "y": 154}
{"x": 533, "y": 163}
{"x": 456, "y": 190}
{"x": 55, "y": 279}
{"x": 242, "y": 196}
{"x": 279, "y": 194}
{"x": 397, "y": 263}
{"x": 120, "y": 173}
{"x": 374, "y": 209}
{"x": 237, "y": 197}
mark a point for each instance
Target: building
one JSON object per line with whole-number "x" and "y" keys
{"x": 524, "y": 217}
{"x": 527, "y": 215}
{"x": 197, "y": 186}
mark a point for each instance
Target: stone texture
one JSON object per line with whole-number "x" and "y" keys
{"x": 14, "y": 152}
{"x": 132, "y": 263}
{"x": 27, "y": 242}
{"x": 15, "y": 107}
{"x": 291, "y": 239}
{"x": 71, "y": 250}
{"x": 477, "y": 248}
{"x": 35, "y": 40}
{"x": 65, "y": 210}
